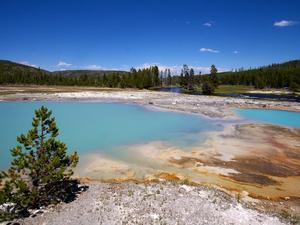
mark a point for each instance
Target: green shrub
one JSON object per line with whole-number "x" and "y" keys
{"x": 208, "y": 88}
{"x": 294, "y": 87}
{"x": 40, "y": 173}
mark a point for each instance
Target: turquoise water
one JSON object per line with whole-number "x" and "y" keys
{"x": 101, "y": 127}
{"x": 277, "y": 117}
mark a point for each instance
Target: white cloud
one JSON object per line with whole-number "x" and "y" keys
{"x": 285, "y": 23}
{"x": 235, "y": 52}
{"x": 93, "y": 67}
{"x": 28, "y": 64}
{"x": 63, "y": 64}
{"x": 208, "y": 24}
{"x": 98, "y": 67}
{"x": 209, "y": 50}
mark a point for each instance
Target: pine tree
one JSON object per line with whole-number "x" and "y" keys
{"x": 41, "y": 170}
{"x": 191, "y": 79}
{"x": 185, "y": 74}
{"x": 161, "y": 78}
{"x": 169, "y": 78}
{"x": 214, "y": 77}
{"x": 155, "y": 74}
{"x": 181, "y": 79}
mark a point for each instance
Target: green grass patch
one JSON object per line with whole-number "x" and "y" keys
{"x": 233, "y": 89}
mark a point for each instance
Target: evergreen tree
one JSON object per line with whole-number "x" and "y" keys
{"x": 191, "y": 79}
{"x": 214, "y": 77}
{"x": 186, "y": 74}
{"x": 155, "y": 73}
{"x": 161, "y": 78}
{"x": 169, "y": 78}
{"x": 181, "y": 79}
{"x": 41, "y": 169}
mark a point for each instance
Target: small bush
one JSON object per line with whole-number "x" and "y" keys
{"x": 294, "y": 87}
{"x": 207, "y": 88}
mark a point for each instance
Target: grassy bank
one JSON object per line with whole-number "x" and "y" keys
{"x": 225, "y": 89}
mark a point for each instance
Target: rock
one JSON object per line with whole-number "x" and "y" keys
{"x": 36, "y": 212}
{"x": 7, "y": 207}
{"x": 186, "y": 188}
{"x": 154, "y": 216}
{"x": 198, "y": 164}
{"x": 244, "y": 194}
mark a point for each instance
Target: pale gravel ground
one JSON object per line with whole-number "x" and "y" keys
{"x": 155, "y": 203}
{"x": 211, "y": 106}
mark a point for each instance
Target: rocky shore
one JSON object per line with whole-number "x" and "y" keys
{"x": 153, "y": 203}
{"x": 210, "y": 106}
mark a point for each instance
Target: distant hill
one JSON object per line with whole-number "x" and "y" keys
{"x": 15, "y": 73}
{"x": 12, "y": 72}
{"x": 9, "y": 67}
{"x": 90, "y": 73}
{"x": 13, "y": 67}
{"x": 288, "y": 64}
{"x": 278, "y": 75}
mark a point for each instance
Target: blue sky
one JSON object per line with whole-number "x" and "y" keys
{"x": 113, "y": 34}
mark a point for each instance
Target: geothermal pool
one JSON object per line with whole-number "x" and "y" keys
{"x": 91, "y": 127}
{"x": 277, "y": 117}
{"x": 119, "y": 142}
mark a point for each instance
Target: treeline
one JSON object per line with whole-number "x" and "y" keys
{"x": 13, "y": 73}
{"x": 285, "y": 75}
{"x": 192, "y": 83}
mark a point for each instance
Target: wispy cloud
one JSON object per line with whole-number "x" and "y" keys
{"x": 93, "y": 67}
{"x": 235, "y": 52}
{"x": 98, "y": 67}
{"x": 285, "y": 23}
{"x": 63, "y": 64}
{"x": 28, "y": 64}
{"x": 208, "y": 24}
{"x": 209, "y": 50}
